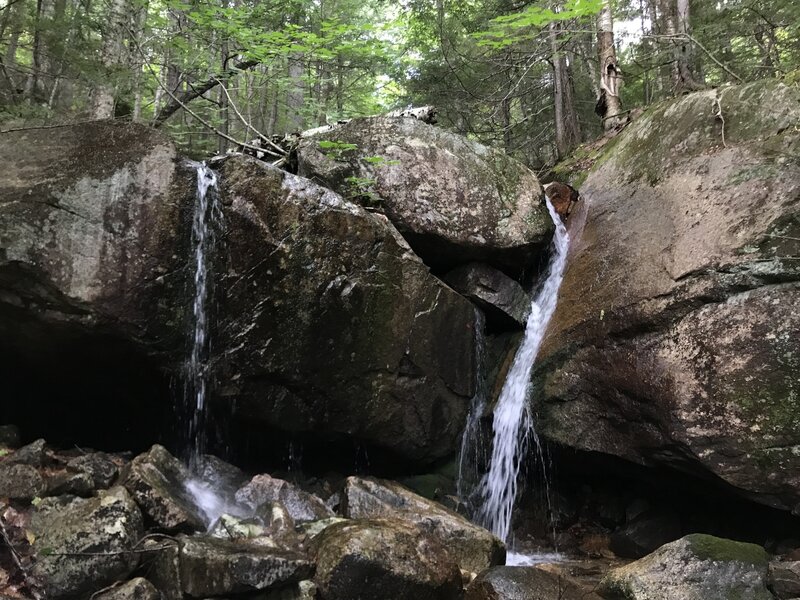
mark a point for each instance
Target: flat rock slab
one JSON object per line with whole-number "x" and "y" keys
{"x": 212, "y": 567}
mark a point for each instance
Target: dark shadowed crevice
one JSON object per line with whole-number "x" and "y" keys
{"x": 77, "y": 386}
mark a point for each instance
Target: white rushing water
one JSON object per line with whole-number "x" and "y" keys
{"x": 513, "y": 424}
{"x": 207, "y": 215}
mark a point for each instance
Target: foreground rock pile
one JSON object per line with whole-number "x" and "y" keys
{"x": 80, "y": 524}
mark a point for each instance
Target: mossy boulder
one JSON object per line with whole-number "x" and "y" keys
{"x": 454, "y": 199}
{"x": 696, "y": 567}
{"x": 676, "y": 340}
{"x": 83, "y": 545}
{"x": 331, "y": 325}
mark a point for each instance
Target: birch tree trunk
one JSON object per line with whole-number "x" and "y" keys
{"x": 608, "y": 107}
{"x": 102, "y": 101}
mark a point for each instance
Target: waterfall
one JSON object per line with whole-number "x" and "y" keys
{"x": 513, "y": 423}
{"x": 207, "y": 217}
{"x": 472, "y": 448}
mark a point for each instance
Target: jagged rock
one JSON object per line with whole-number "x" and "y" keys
{"x": 135, "y": 589}
{"x": 205, "y": 566}
{"x": 73, "y": 484}
{"x": 82, "y": 545}
{"x": 522, "y": 583}
{"x": 229, "y": 527}
{"x": 473, "y": 547}
{"x": 334, "y": 326}
{"x": 783, "y": 579}
{"x": 502, "y": 298}
{"x": 33, "y": 454}
{"x": 696, "y": 567}
{"x": 645, "y": 533}
{"x": 98, "y": 465}
{"x": 158, "y": 481}
{"x": 453, "y": 199}
{"x": 301, "y": 506}
{"x": 383, "y": 558}
{"x": 219, "y": 474}
{"x": 20, "y": 482}
{"x": 676, "y": 340}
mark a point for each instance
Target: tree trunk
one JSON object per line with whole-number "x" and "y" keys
{"x": 608, "y": 107}
{"x": 102, "y": 102}
{"x": 566, "y": 120}
{"x": 683, "y": 77}
{"x": 295, "y": 95}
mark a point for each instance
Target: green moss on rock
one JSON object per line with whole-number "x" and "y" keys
{"x": 708, "y": 547}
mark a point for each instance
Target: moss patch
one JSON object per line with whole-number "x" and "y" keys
{"x": 708, "y": 547}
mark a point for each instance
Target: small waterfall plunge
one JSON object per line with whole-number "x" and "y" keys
{"x": 206, "y": 221}
{"x": 513, "y": 422}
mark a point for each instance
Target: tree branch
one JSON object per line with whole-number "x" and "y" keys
{"x": 180, "y": 100}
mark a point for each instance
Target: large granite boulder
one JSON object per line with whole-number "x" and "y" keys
{"x": 676, "y": 340}
{"x": 83, "y": 545}
{"x": 696, "y": 567}
{"x": 452, "y": 198}
{"x": 93, "y": 238}
{"x": 473, "y": 547}
{"x": 383, "y": 558}
{"x": 90, "y": 222}
{"x": 331, "y": 324}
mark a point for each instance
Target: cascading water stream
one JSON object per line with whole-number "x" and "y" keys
{"x": 513, "y": 424}
{"x": 207, "y": 217}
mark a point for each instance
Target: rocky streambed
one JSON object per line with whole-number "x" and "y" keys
{"x": 84, "y": 524}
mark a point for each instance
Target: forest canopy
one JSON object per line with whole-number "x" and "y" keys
{"x": 535, "y": 78}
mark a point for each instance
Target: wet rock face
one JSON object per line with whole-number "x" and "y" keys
{"x": 383, "y": 558}
{"x": 453, "y": 199}
{"x": 331, "y": 324}
{"x": 676, "y": 339}
{"x": 84, "y": 545}
{"x": 472, "y": 547}
{"x": 696, "y": 567}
